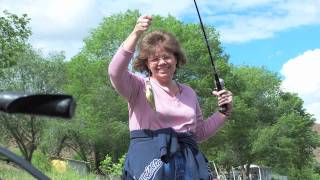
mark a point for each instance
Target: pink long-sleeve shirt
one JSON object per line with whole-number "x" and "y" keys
{"x": 180, "y": 112}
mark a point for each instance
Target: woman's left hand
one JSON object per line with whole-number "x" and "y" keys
{"x": 224, "y": 98}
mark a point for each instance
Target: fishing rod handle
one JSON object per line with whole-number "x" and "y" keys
{"x": 220, "y": 85}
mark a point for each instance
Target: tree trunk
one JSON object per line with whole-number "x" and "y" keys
{"x": 60, "y": 146}
{"x": 97, "y": 161}
{"x": 248, "y": 170}
{"x": 244, "y": 172}
{"x": 25, "y": 139}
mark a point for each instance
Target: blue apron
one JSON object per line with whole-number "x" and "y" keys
{"x": 164, "y": 155}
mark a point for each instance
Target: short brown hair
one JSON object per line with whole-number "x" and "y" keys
{"x": 148, "y": 47}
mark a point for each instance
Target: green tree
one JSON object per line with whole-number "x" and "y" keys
{"x": 101, "y": 116}
{"x": 268, "y": 127}
{"x": 288, "y": 144}
{"x": 37, "y": 75}
{"x": 14, "y": 32}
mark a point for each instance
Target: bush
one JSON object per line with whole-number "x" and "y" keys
{"x": 41, "y": 161}
{"x": 110, "y": 168}
{"x": 306, "y": 173}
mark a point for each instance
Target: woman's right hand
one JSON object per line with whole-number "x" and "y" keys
{"x": 225, "y": 98}
{"x": 142, "y": 24}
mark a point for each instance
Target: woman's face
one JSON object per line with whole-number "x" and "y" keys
{"x": 162, "y": 65}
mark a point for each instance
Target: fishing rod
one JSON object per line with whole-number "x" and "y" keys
{"x": 218, "y": 82}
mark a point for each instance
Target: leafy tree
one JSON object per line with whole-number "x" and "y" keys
{"x": 14, "y": 32}
{"x": 268, "y": 127}
{"x": 36, "y": 75}
{"x": 100, "y": 118}
{"x": 289, "y": 143}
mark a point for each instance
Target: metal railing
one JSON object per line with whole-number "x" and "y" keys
{"x": 56, "y": 105}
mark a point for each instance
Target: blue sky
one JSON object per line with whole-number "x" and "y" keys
{"x": 280, "y": 35}
{"x": 275, "y": 51}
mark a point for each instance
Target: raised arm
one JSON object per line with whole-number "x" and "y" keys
{"x": 142, "y": 25}
{"x": 120, "y": 77}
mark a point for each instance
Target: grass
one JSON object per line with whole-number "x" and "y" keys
{"x": 71, "y": 174}
{"x": 8, "y": 171}
{"x": 11, "y": 171}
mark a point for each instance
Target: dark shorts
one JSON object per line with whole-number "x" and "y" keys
{"x": 164, "y": 154}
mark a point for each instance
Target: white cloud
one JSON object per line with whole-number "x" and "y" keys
{"x": 46, "y": 47}
{"x": 61, "y": 25}
{"x": 51, "y": 16}
{"x": 301, "y": 76}
{"x": 160, "y": 7}
{"x": 57, "y": 25}
{"x": 69, "y": 21}
{"x": 259, "y": 20}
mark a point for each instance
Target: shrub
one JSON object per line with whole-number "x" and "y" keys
{"x": 111, "y": 168}
{"x": 41, "y": 161}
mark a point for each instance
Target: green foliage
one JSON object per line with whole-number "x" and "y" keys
{"x": 24, "y": 131}
{"x": 99, "y": 110}
{"x": 267, "y": 127}
{"x": 41, "y": 161}
{"x": 7, "y": 171}
{"x": 288, "y": 145}
{"x": 34, "y": 73}
{"x": 4, "y": 138}
{"x": 107, "y": 37}
{"x": 14, "y": 32}
{"x": 37, "y": 75}
{"x": 110, "y": 168}
{"x": 305, "y": 173}
{"x": 71, "y": 174}
{"x": 54, "y": 138}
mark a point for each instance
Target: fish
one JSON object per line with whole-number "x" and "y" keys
{"x": 150, "y": 95}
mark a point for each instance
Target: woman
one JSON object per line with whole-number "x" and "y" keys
{"x": 165, "y": 119}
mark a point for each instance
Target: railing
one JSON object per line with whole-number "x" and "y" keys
{"x": 57, "y": 105}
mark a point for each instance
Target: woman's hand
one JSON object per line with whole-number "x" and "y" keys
{"x": 224, "y": 98}
{"x": 142, "y": 25}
